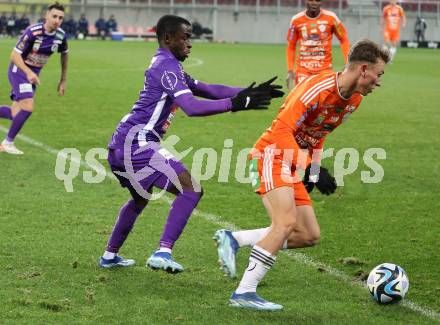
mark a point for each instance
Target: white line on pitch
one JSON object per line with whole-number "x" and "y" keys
{"x": 218, "y": 220}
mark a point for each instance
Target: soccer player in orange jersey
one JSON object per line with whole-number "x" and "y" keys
{"x": 393, "y": 18}
{"x": 311, "y": 111}
{"x": 313, "y": 29}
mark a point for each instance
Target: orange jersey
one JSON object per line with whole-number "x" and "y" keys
{"x": 315, "y": 42}
{"x": 310, "y": 112}
{"x": 393, "y": 15}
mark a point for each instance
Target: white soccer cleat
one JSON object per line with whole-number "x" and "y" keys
{"x": 10, "y": 148}
{"x": 227, "y": 248}
{"x": 251, "y": 300}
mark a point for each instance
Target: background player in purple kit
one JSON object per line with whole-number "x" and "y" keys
{"x": 28, "y": 57}
{"x": 135, "y": 154}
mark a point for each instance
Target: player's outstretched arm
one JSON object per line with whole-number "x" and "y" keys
{"x": 63, "y": 80}
{"x": 246, "y": 99}
{"x": 214, "y": 91}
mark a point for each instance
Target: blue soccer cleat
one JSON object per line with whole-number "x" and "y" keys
{"x": 164, "y": 261}
{"x": 116, "y": 261}
{"x": 227, "y": 247}
{"x": 252, "y": 301}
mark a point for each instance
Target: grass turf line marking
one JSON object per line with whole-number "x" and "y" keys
{"x": 217, "y": 220}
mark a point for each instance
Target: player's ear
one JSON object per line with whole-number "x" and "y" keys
{"x": 363, "y": 69}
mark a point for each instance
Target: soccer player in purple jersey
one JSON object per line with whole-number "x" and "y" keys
{"x": 135, "y": 154}
{"x": 28, "y": 57}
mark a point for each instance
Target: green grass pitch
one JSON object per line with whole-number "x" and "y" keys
{"x": 50, "y": 240}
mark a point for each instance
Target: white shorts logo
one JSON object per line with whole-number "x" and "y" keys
{"x": 26, "y": 88}
{"x": 168, "y": 80}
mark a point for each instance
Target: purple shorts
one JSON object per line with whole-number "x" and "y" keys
{"x": 141, "y": 171}
{"x": 21, "y": 87}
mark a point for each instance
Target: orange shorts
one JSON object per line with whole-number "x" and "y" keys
{"x": 302, "y": 75}
{"x": 391, "y": 35}
{"x": 269, "y": 172}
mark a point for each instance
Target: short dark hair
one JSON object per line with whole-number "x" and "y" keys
{"x": 368, "y": 51}
{"x": 57, "y": 6}
{"x": 169, "y": 24}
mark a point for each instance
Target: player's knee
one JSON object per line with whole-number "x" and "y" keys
{"x": 140, "y": 203}
{"x": 312, "y": 238}
{"x": 311, "y": 241}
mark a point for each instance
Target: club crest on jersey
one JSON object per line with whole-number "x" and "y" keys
{"x": 54, "y": 48}
{"x": 168, "y": 80}
{"x": 322, "y": 28}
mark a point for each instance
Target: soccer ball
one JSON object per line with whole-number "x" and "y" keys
{"x": 388, "y": 283}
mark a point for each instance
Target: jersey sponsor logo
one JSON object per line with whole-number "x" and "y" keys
{"x": 350, "y": 108}
{"x": 37, "y": 45}
{"x": 168, "y": 80}
{"x": 25, "y": 88}
{"x": 167, "y": 123}
{"x": 334, "y": 118}
{"x": 59, "y": 35}
{"x": 304, "y": 32}
{"x": 36, "y": 60}
{"x": 20, "y": 45}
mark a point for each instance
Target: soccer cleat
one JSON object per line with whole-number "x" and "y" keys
{"x": 10, "y": 148}
{"x": 252, "y": 301}
{"x": 116, "y": 261}
{"x": 164, "y": 261}
{"x": 227, "y": 248}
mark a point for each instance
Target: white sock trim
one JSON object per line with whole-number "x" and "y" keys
{"x": 109, "y": 255}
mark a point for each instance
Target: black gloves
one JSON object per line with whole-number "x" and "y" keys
{"x": 251, "y": 98}
{"x": 274, "y": 90}
{"x": 256, "y": 97}
{"x": 326, "y": 183}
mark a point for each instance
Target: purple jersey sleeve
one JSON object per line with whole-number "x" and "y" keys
{"x": 63, "y": 48}
{"x": 25, "y": 42}
{"x": 195, "y": 107}
{"x": 175, "y": 84}
{"x": 211, "y": 91}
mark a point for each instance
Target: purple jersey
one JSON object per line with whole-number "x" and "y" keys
{"x": 165, "y": 80}
{"x": 36, "y": 45}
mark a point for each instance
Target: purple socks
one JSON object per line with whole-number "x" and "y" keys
{"x": 17, "y": 123}
{"x": 180, "y": 211}
{"x": 5, "y": 112}
{"x": 127, "y": 217}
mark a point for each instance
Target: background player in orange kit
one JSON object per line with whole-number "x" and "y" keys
{"x": 313, "y": 28}
{"x": 310, "y": 112}
{"x": 393, "y": 18}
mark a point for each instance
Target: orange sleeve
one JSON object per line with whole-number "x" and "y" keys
{"x": 341, "y": 34}
{"x": 292, "y": 38}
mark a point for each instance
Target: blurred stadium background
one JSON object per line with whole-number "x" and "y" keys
{"x": 256, "y": 21}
